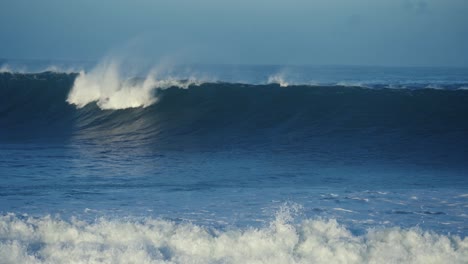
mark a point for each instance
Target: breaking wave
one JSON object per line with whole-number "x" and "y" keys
{"x": 25, "y": 239}
{"x": 278, "y": 79}
{"x": 101, "y": 103}
{"x": 105, "y": 86}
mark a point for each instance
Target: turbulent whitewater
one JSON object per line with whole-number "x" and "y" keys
{"x": 158, "y": 241}
{"x": 242, "y": 165}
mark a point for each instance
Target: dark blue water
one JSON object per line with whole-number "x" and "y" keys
{"x": 365, "y": 158}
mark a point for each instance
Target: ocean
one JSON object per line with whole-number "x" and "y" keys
{"x": 233, "y": 164}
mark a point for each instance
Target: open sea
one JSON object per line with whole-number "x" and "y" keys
{"x": 232, "y": 164}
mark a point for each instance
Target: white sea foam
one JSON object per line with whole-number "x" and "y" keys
{"x": 110, "y": 90}
{"x": 343, "y": 210}
{"x": 31, "y": 240}
{"x": 352, "y": 84}
{"x": 23, "y": 69}
{"x": 434, "y": 86}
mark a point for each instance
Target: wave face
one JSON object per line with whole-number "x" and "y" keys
{"x": 54, "y": 105}
{"x": 415, "y": 126}
{"x": 52, "y": 240}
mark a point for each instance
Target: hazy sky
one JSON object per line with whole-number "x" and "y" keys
{"x": 356, "y": 32}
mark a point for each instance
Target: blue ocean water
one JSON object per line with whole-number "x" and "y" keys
{"x": 233, "y": 164}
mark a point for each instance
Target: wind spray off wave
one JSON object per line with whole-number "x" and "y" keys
{"x": 278, "y": 79}
{"x": 105, "y": 86}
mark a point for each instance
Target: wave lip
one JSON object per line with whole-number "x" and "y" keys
{"x": 32, "y": 102}
{"x": 53, "y": 240}
{"x": 105, "y": 86}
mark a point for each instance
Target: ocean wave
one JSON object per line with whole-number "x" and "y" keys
{"x": 61, "y": 69}
{"x": 25, "y": 239}
{"x": 22, "y": 69}
{"x": 76, "y": 101}
{"x": 353, "y": 84}
{"x": 5, "y": 68}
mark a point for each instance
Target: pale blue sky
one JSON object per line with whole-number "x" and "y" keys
{"x": 346, "y": 32}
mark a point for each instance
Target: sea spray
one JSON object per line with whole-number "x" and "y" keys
{"x": 106, "y": 86}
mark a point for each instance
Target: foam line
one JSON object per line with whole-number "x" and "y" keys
{"x": 53, "y": 240}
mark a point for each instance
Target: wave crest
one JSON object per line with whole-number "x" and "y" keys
{"x": 105, "y": 86}
{"x": 278, "y": 79}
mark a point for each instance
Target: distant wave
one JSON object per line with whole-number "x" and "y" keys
{"x": 353, "y": 84}
{"x": 25, "y": 239}
{"x": 278, "y": 79}
{"x": 15, "y": 69}
{"x": 106, "y": 86}
{"x": 60, "y": 69}
{"x": 5, "y": 69}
